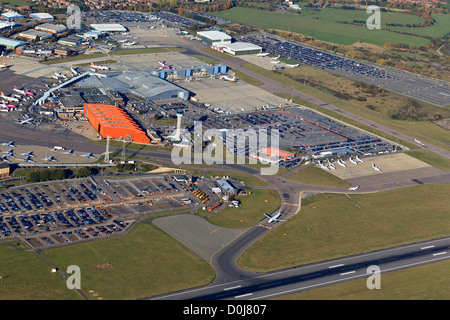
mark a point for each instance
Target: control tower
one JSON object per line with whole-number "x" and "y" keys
{"x": 180, "y": 114}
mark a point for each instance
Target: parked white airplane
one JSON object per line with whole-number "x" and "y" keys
{"x": 353, "y": 188}
{"x": 341, "y": 163}
{"x": 275, "y": 61}
{"x": 5, "y": 158}
{"x": 29, "y": 120}
{"x": 27, "y": 159}
{"x": 375, "y": 167}
{"x": 3, "y": 66}
{"x": 419, "y": 142}
{"x": 59, "y": 75}
{"x": 263, "y": 54}
{"x": 9, "y": 153}
{"x": 99, "y": 67}
{"x": 70, "y": 152}
{"x": 9, "y": 144}
{"x": 2, "y": 95}
{"x": 122, "y": 41}
{"x": 275, "y": 58}
{"x": 23, "y": 92}
{"x": 357, "y": 158}
{"x": 292, "y": 65}
{"x": 227, "y": 78}
{"x": 275, "y": 217}
{"x": 74, "y": 70}
{"x": 28, "y": 154}
{"x": 130, "y": 43}
{"x": 51, "y": 158}
{"x": 89, "y": 155}
{"x": 352, "y": 161}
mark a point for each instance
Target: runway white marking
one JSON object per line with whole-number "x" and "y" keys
{"x": 346, "y": 273}
{"x": 231, "y": 288}
{"x": 423, "y": 248}
{"x": 244, "y": 295}
{"x": 338, "y": 265}
{"x": 440, "y": 253}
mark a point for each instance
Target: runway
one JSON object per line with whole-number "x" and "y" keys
{"x": 316, "y": 275}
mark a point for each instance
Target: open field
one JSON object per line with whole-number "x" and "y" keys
{"x": 430, "y": 282}
{"x": 26, "y": 277}
{"x": 331, "y": 226}
{"x": 145, "y": 262}
{"x": 430, "y": 158}
{"x": 252, "y": 209}
{"x": 324, "y": 25}
{"x": 316, "y": 176}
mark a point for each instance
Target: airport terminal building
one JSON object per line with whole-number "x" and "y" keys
{"x": 111, "y": 121}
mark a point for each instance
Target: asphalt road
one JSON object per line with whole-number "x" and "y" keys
{"x": 270, "y": 285}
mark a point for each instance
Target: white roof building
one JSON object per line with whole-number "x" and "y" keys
{"x": 214, "y": 37}
{"x": 240, "y": 48}
{"x": 42, "y": 16}
{"x": 108, "y": 27}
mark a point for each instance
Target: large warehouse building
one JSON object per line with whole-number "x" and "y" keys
{"x": 111, "y": 121}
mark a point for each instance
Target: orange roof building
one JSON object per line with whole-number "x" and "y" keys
{"x": 276, "y": 153}
{"x": 111, "y": 121}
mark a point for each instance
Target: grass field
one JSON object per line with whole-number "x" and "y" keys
{"x": 27, "y": 277}
{"x": 429, "y": 282}
{"x": 252, "y": 209}
{"x": 316, "y": 176}
{"x": 332, "y": 225}
{"x": 325, "y": 25}
{"x": 430, "y": 158}
{"x": 75, "y": 58}
{"x": 145, "y": 262}
{"x": 248, "y": 179}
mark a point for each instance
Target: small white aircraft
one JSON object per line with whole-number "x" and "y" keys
{"x": 4, "y": 158}
{"x": 74, "y": 70}
{"x": 352, "y": 161}
{"x": 275, "y": 61}
{"x": 99, "y": 67}
{"x": 27, "y": 159}
{"x": 375, "y": 167}
{"x": 9, "y": 144}
{"x": 70, "y": 152}
{"x": 292, "y": 65}
{"x": 59, "y": 75}
{"x": 341, "y": 163}
{"x": 9, "y": 153}
{"x": 353, "y": 188}
{"x": 51, "y": 158}
{"x": 227, "y": 78}
{"x": 29, "y": 120}
{"x": 122, "y": 41}
{"x": 129, "y": 43}
{"x": 275, "y": 217}
{"x": 28, "y": 154}
{"x": 275, "y": 58}
{"x": 2, "y": 95}
{"x": 89, "y": 155}
{"x": 419, "y": 142}
{"x": 3, "y": 66}
{"x": 263, "y": 54}
{"x": 358, "y": 159}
